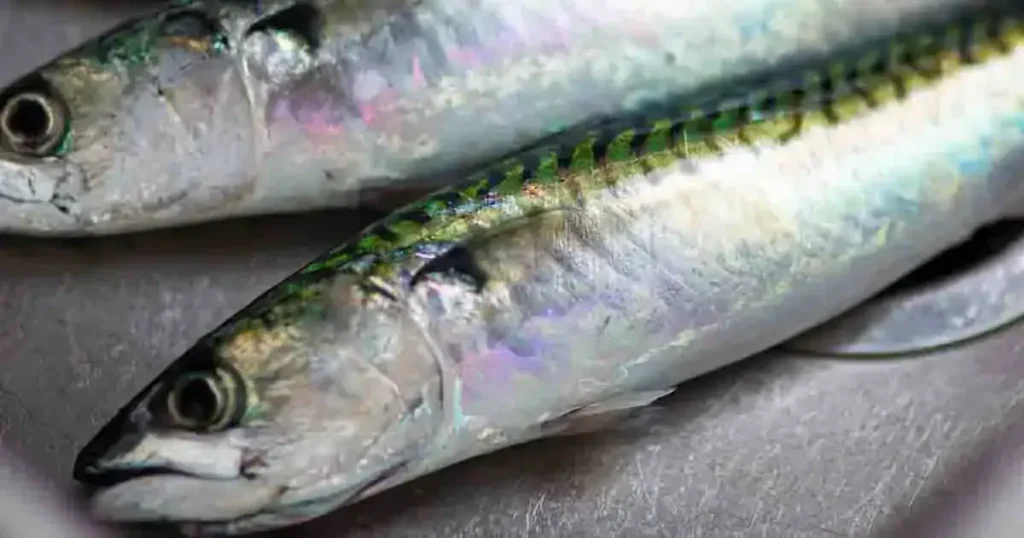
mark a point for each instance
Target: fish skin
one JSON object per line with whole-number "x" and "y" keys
{"x": 574, "y": 282}
{"x": 199, "y": 119}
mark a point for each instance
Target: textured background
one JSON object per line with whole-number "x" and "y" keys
{"x": 776, "y": 446}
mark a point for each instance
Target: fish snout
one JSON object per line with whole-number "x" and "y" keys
{"x": 96, "y": 463}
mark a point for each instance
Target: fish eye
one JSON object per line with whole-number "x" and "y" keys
{"x": 32, "y": 122}
{"x": 205, "y": 401}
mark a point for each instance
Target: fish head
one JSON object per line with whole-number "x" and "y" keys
{"x": 292, "y": 409}
{"x": 131, "y": 130}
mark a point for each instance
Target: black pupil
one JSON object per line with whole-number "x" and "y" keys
{"x": 28, "y": 119}
{"x": 197, "y": 401}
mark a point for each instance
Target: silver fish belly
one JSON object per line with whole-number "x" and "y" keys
{"x": 209, "y": 110}
{"x": 574, "y": 283}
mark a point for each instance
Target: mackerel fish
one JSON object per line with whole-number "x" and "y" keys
{"x": 577, "y": 282}
{"x": 217, "y": 109}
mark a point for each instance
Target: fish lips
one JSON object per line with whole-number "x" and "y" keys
{"x": 184, "y": 500}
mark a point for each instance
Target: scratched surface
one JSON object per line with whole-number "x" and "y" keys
{"x": 776, "y": 446}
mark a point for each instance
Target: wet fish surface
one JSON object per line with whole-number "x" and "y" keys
{"x": 575, "y": 283}
{"x": 210, "y": 110}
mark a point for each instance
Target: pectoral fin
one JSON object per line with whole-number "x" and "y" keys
{"x": 602, "y": 415}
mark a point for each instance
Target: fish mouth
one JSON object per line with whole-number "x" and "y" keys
{"x": 138, "y": 474}
{"x": 145, "y": 478}
{"x": 203, "y": 506}
{"x": 182, "y": 500}
{"x": 117, "y": 437}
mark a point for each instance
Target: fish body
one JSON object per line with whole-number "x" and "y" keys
{"x": 575, "y": 282}
{"x": 210, "y": 110}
